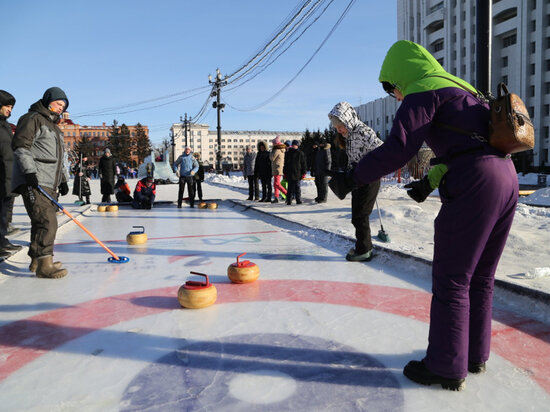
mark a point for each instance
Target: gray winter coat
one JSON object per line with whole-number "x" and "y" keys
{"x": 38, "y": 148}
{"x": 249, "y": 160}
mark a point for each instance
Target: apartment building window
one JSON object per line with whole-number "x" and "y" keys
{"x": 533, "y": 25}
{"x": 509, "y": 40}
{"x": 547, "y": 87}
{"x": 547, "y": 109}
{"x": 438, "y": 45}
{"x": 505, "y": 79}
{"x": 531, "y": 111}
{"x": 532, "y": 91}
{"x": 438, "y": 6}
{"x": 441, "y": 61}
{"x": 505, "y": 61}
{"x": 533, "y": 47}
{"x": 532, "y": 69}
{"x": 547, "y": 64}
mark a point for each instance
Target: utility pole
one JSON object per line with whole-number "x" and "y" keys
{"x": 484, "y": 36}
{"x": 184, "y": 124}
{"x": 173, "y": 146}
{"x": 218, "y": 83}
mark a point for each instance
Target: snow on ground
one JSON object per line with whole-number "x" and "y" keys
{"x": 410, "y": 224}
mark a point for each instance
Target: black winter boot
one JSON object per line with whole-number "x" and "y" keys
{"x": 416, "y": 371}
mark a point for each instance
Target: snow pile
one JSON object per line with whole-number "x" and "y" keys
{"x": 540, "y": 198}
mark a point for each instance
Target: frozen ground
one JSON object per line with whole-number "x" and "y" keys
{"x": 313, "y": 333}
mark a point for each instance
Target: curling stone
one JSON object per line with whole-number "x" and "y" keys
{"x": 137, "y": 238}
{"x": 112, "y": 208}
{"x": 243, "y": 271}
{"x": 101, "y": 208}
{"x": 196, "y": 295}
{"x": 212, "y": 205}
{"x": 203, "y": 205}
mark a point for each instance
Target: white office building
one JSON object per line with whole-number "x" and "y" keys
{"x": 520, "y": 54}
{"x": 233, "y": 143}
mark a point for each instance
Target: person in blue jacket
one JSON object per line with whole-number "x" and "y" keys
{"x": 185, "y": 167}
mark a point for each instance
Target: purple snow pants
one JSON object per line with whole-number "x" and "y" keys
{"x": 479, "y": 196}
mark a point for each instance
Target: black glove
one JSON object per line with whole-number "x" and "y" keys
{"x": 63, "y": 188}
{"x": 419, "y": 189}
{"x": 341, "y": 183}
{"x": 31, "y": 180}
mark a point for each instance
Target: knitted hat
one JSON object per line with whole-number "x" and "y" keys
{"x": 53, "y": 94}
{"x": 287, "y": 143}
{"x": 295, "y": 143}
{"x": 107, "y": 151}
{"x": 276, "y": 140}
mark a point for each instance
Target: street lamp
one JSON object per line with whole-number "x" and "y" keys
{"x": 218, "y": 83}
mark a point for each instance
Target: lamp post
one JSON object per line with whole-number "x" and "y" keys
{"x": 218, "y": 83}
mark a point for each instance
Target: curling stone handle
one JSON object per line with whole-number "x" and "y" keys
{"x": 207, "y": 282}
{"x": 142, "y": 228}
{"x": 241, "y": 255}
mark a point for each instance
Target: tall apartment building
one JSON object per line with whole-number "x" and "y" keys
{"x": 520, "y": 54}
{"x": 205, "y": 141}
{"x": 97, "y": 135}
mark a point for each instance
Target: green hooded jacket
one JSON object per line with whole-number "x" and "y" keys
{"x": 412, "y": 69}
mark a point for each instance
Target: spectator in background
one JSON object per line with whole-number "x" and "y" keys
{"x": 199, "y": 176}
{"x": 294, "y": 170}
{"x": 321, "y": 167}
{"x": 144, "y": 193}
{"x": 185, "y": 167}
{"x": 122, "y": 190}
{"x": 248, "y": 173}
{"x": 107, "y": 174}
{"x": 277, "y": 157}
{"x": 81, "y": 182}
{"x": 262, "y": 169}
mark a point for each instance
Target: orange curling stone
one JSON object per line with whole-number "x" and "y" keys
{"x": 212, "y": 206}
{"x": 196, "y": 295}
{"x": 203, "y": 205}
{"x": 243, "y": 271}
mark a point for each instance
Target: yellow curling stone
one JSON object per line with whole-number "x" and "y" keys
{"x": 137, "y": 238}
{"x": 101, "y": 208}
{"x": 197, "y": 295}
{"x": 243, "y": 271}
{"x": 212, "y": 205}
{"x": 203, "y": 205}
{"x": 112, "y": 208}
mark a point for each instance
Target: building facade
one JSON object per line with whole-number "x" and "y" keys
{"x": 98, "y": 136}
{"x": 233, "y": 143}
{"x": 520, "y": 54}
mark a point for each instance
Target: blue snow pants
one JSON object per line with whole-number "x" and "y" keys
{"x": 479, "y": 196}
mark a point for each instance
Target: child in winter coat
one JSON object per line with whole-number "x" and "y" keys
{"x": 358, "y": 140}
{"x": 277, "y": 157}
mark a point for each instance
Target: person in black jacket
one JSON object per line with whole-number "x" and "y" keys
{"x": 294, "y": 170}
{"x": 199, "y": 176}
{"x": 107, "y": 173}
{"x": 81, "y": 184}
{"x": 262, "y": 169}
{"x": 321, "y": 166}
{"x": 38, "y": 151}
{"x": 7, "y": 101}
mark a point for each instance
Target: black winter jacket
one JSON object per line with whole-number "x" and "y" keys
{"x": 6, "y": 157}
{"x": 295, "y": 164}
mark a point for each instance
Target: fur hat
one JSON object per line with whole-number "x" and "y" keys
{"x": 6, "y": 99}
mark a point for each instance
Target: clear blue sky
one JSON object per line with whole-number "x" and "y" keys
{"x": 108, "y": 54}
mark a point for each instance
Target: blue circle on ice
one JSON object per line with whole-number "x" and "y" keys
{"x": 268, "y": 372}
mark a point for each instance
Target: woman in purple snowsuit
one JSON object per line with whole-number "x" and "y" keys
{"x": 478, "y": 195}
